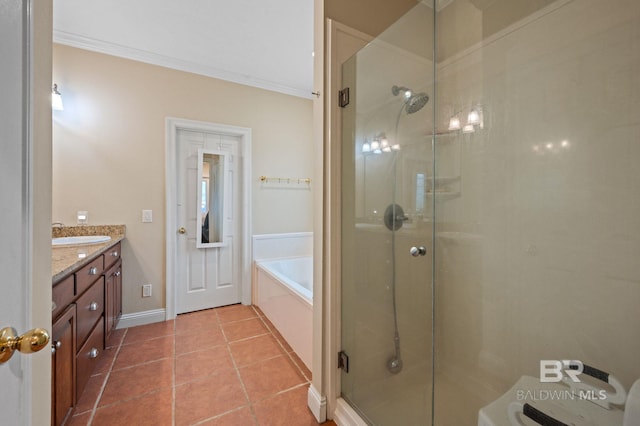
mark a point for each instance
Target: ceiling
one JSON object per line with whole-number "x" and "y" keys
{"x": 265, "y": 44}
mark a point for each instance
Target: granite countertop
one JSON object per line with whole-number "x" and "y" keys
{"x": 66, "y": 259}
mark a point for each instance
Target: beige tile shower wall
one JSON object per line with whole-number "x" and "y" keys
{"x": 552, "y": 271}
{"x": 109, "y": 152}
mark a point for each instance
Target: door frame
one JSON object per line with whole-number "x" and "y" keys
{"x": 342, "y": 42}
{"x": 171, "y": 169}
{"x": 26, "y": 117}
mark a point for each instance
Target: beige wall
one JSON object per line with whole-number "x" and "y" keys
{"x": 369, "y": 16}
{"x": 109, "y": 152}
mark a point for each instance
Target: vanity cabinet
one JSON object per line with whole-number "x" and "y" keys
{"x": 90, "y": 332}
{"x": 63, "y": 365}
{"x": 86, "y": 307}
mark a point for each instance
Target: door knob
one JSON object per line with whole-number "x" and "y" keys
{"x": 182, "y": 230}
{"x": 30, "y": 342}
{"x": 418, "y": 251}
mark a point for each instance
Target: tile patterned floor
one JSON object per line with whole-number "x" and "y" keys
{"x": 224, "y": 366}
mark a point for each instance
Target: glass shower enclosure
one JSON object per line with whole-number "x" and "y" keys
{"x": 490, "y": 235}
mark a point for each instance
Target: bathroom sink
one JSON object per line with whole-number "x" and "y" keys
{"x": 75, "y": 241}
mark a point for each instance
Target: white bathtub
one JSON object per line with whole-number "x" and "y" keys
{"x": 284, "y": 292}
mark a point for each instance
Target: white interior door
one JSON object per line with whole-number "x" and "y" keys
{"x": 25, "y": 209}
{"x": 12, "y": 294}
{"x": 206, "y": 277}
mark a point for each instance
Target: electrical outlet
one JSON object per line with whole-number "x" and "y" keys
{"x": 147, "y": 216}
{"x": 146, "y": 290}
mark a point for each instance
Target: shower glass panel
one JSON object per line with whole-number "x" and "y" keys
{"x": 386, "y": 210}
{"x": 519, "y": 176}
{"x": 538, "y": 258}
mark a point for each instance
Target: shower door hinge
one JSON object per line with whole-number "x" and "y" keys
{"x": 343, "y": 97}
{"x": 343, "y": 361}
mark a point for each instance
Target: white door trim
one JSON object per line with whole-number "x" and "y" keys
{"x": 244, "y": 133}
{"x": 341, "y": 42}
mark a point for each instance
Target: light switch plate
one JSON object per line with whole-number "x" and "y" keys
{"x": 83, "y": 217}
{"x": 147, "y": 216}
{"x": 146, "y": 290}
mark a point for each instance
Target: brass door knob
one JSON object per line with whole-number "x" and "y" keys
{"x": 30, "y": 342}
{"x": 182, "y": 230}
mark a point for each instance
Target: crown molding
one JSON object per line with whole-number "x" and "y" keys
{"x": 94, "y": 45}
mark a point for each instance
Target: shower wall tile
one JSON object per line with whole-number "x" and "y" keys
{"x": 555, "y": 274}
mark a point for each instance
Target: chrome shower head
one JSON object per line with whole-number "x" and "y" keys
{"x": 416, "y": 102}
{"x": 413, "y": 102}
{"x": 397, "y": 89}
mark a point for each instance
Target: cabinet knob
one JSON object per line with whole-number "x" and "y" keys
{"x": 182, "y": 230}
{"x": 55, "y": 346}
{"x": 93, "y": 270}
{"x": 93, "y": 353}
{"x": 114, "y": 254}
{"x": 93, "y": 306}
{"x": 118, "y": 273}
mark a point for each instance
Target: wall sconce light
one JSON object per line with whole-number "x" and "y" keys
{"x": 474, "y": 117}
{"x": 375, "y": 145}
{"x": 474, "y": 121}
{"x": 454, "y": 123}
{"x": 56, "y": 99}
{"x": 468, "y": 128}
{"x": 384, "y": 143}
{"x": 378, "y": 145}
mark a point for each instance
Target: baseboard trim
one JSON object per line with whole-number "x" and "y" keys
{"x": 317, "y": 404}
{"x": 346, "y": 416}
{"x": 141, "y": 318}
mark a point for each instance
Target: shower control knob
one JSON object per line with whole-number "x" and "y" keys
{"x": 418, "y": 251}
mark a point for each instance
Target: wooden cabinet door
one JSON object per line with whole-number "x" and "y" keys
{"x": 112, "y": 298}
{"x": 118, "y": 295}
{"x": 109, "y": 302}
{"x": 63, "y": 365}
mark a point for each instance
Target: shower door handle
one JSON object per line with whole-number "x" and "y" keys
{"x": 418, "y": 251}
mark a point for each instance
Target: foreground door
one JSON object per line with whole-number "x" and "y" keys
{"x": 387, "y": 173}
{"x": 207, "y": 276}
{"x": 25, "y": 209}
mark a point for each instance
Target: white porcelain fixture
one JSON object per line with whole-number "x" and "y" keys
{"x": 564, "y": 405}
{"x": 284, "y": 292}
{"x": 79, "y": 240}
